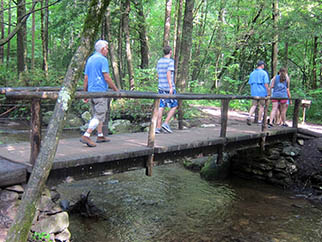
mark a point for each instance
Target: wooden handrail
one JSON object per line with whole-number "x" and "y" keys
{"x": 36, "y": 94}
{"x": 131, "y": 94}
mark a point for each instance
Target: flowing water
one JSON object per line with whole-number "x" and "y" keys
{"x": 175, "y": 204}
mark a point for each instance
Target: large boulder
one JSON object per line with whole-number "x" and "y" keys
{"x": 120, "y": 126}
{"x": 72, "y": 120}
{"x": 214, "y": 171}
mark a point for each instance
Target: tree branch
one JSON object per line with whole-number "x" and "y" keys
{"x": 23, "y": 20}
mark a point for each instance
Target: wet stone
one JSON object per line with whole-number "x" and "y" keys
{"x": 15, "y": 188}
{"x": 7, "y": 196}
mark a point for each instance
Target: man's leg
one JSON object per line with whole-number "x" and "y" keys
{"x": 170, "y": 115}
{"x": 251, "y": 111}
{"x": 159, "y": 121}
{"x": 261, "y": 110}
{"x": 85, "y": 139}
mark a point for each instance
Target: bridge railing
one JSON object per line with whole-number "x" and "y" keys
{"x": 36, "y": 94}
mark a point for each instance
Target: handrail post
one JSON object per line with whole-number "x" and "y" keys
{"x": 296, "y": 113}
{"x": 224, "y": 117}
{"x": 151, "y": 137}
{"x": 223, "y": 130}
{"x": 264, "y": 126}
{"x": 264, "y": 121}
{"x": 180, "y": 114}
{"x": 35, "y": 135}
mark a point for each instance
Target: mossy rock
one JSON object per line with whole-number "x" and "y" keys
{"x": 196, "y": 164}
{"x": 214, "y": 171}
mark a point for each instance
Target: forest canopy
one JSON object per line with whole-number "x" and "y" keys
{"x": 216, "y": 43}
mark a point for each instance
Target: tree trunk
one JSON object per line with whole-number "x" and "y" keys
{"x": 143, "y": 36}
{"x": 285, "y": 64}
{"x": 126, "y": 29}
{"x": 183, "y": 73}
{"x": 275, "y": 39}
{"x": 196, "y": 54}
{"x": 111, "y": 51}
{"x": 44, "y": 35}
{"x": 9, "y": 29}
{"x": 26, "y": 211}
{"x": 167, "y": 22}
{"x": 314, "y": 67}
{"x": 2, "y": 31}
{"x": 120, "y": 47}
{"x": 178, "y": 38}
{"x": 33, "y": 39}
{"x": 21, "y": 38}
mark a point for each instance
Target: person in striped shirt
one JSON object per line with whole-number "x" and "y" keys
{"x": 165, "y": 69}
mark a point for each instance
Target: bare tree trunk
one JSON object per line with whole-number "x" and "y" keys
{"x": 9, "y": 29}
{"x": 111, "y": 51}
{"x": 130, "y": 68}
{"x": 196, "y": 54}
{"x": 178, "y": 38}
{"x": 314, "y": 67}
{"x": 20, "y": 227}
{"x": 143, "y": 35}
{"x": 2, "y": 31}
{"x": 275, "y": 38}
{"x": 21, "y": 38}
{"x": 120, "y": 47}
{"x": 183, "y": 73}
{"x": 44, "y": 35}
{"x": 33, "y": 39}
{"x": 167, "y": 22}
{"x": 285, "y": 64}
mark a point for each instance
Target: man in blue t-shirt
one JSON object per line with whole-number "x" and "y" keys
{"x": 97, "y": 79}
{"x": 258, "y": 81}
{"x": 165, "y": 69}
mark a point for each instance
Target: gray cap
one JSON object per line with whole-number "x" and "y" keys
{"x": 260, "y": 63}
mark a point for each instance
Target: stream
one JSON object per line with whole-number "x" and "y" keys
{"x": 175, "y": 204}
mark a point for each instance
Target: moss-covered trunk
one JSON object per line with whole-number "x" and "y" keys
{"x": 25, "y": 214}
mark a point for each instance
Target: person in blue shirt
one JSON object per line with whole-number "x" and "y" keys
{"x": 258, "y": 81}
{"x": 281, "y": 89}
{"x": 165, "y": 69}
{"x": 97, "y": 79}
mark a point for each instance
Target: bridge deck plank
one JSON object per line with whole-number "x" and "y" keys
{"x": 71, "y": 153}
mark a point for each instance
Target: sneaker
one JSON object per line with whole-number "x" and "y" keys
{"x": 249, "y": 122}
{"x": 101, "y": 139}
{"x": 270, "y": 125}
{"x": 87, "y": 140}
{"x": 157, "y": 131}
{"x": 166, "y": 127}
{"x": 284, "y": 125}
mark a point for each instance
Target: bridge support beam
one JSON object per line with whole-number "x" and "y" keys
{"x": 35, "y": 136}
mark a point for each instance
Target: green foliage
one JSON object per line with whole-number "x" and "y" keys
{"x": 242, "y": 34}
{"x": 40, "y": 237}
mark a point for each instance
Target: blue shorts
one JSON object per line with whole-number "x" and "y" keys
{"x": 170, "y": 103}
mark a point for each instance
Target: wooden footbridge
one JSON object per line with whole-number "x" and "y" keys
{"x": 134, "y": 150}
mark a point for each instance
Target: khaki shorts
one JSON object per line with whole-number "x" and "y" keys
{"x": 99, "y": 108}
{"x": 260, "y": 102}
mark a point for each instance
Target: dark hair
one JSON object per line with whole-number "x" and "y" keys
{"x": 166, "y": 50}
{"x": 282, "y": 73}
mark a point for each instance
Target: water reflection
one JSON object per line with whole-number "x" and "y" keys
{"x": 176, "y": 205}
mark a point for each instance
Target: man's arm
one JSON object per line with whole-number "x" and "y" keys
{"x": 86, "y": 83}
{"x": 86, "y": 87}
{"x": 109, "y": 81}
{"x": 169, "y": 81}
